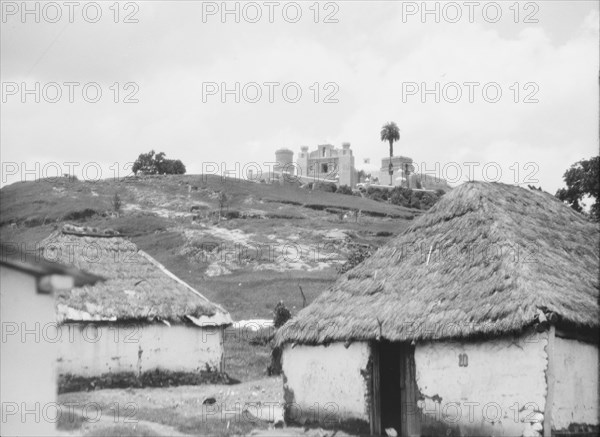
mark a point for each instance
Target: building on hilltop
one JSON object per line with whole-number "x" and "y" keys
{"x": 402, "y": 166}
{"x": 284, "y": 159}
{"x": 284, "y": 168}
{"x": 328, "y": 163}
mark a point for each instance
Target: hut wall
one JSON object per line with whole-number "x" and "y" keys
{"x": 27, "y": 356}
{"x": 88, "y": 349}
{"x": 576, "y": 396}
{"x": 326, "y": 384}
{"x": 492, "y": 387}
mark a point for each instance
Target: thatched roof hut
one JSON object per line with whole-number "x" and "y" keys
{"x": 137, "y": 287}
{"x": 487, "y": 259}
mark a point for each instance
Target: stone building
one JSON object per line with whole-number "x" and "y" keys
{"x": 401, "y": 165}
{"x": 285, "y": 161}
{"x": 328, "y": 163}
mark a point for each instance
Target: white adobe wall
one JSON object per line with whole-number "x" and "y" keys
{"x": 327, "y": 380}
{"x": 576, "y": 397}
{"x": 91, "y": 350}
{"x": 27, "y": 359}
{"x": 503, "y": 377}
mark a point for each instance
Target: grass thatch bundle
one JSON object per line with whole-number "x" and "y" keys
{"x": 137, "y": 287}
{"x": 487, "y": 259}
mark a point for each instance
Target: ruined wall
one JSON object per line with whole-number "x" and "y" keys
{"x": 92, "y": 350}
{"x": 576, "y": 397}
{"x": 494, "y": 387}
{"x": 326, "y": 384}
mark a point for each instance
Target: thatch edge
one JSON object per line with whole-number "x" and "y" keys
{"x": 222, "y": 319}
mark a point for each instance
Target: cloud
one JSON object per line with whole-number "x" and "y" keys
{"x": 369, "y": 54}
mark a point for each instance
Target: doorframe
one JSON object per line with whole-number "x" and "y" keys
{"x": 411, "y": 419}
{"x": 375, "y": 410}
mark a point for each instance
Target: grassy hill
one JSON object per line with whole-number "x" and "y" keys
{"x": 273, "y": 239}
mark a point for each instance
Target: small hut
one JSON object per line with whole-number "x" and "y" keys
{"x": 28, "y": 350}
{"x": 480, "y": 319}
{"x": 143, "y": 322}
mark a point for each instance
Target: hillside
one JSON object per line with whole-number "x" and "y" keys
{"x": 273, "y": 239}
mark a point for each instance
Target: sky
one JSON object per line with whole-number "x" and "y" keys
{"x": 502, "y": 91}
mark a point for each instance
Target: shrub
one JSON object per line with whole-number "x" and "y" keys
{"x": 358, "y": 254}
{"x": 325, "y": 186}
{"x": 281, "y": 314}
{"x": 379, "y": 194}
{"x": 117, "y": 203}
{"x": 151, "y": 163}
{"x": 344, "y": 189}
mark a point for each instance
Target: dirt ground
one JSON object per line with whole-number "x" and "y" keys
{"x": 248, "y": 408}
{"x": 183, "y": 410}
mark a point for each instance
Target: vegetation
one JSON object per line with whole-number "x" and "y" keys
{"x": 323, "y": 186}
{"x": 363, "y": 175}
{"x": 223, "y": 199}
{"x": 281, "y": 314}
{"x": 150, "y": 164}
{"x": 390, "y": 133}
{"x": 582, "y": 180}
{"x": 405, "y": 197}
{"x": 344, "y": 189}
{"x": 117, "y": 203}
{"x": 358, "y": 255}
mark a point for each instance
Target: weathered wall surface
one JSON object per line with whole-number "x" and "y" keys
{"x": 326, "y": 384}
{"x": 91, "y": 350}
{"x": 500, "y": 390}
{"x": 27, "y": 358}
{"x": 576, "y": 397}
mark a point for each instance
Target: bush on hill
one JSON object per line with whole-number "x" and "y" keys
{"x": 344, "y": 189}
{"x": 150, "y": 163}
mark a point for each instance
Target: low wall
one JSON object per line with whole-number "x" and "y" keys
{"x": 90, "y": 350}
{"x": 326, "y": 384}
{"x": 576, "y": 396}
{"x": 492, "y": 387}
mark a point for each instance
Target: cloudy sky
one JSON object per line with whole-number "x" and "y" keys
{"x": 358, "y": 66}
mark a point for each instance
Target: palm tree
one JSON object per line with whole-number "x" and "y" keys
{"x": 390, "y": 133}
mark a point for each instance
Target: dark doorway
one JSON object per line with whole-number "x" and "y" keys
{"x": 390, "y": 388}
{"x": 394, "y": 389}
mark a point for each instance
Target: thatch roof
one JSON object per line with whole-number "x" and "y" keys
{"x": 137, "y": 287}
{"x": 487, "y": 259}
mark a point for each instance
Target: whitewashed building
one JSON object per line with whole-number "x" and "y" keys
{"x": 28, "y": 350}
{"x": 481, "y": 319}
{"x": 141, "y": 321}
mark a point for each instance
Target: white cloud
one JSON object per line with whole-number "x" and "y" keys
{"x": 369, "y": 54}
